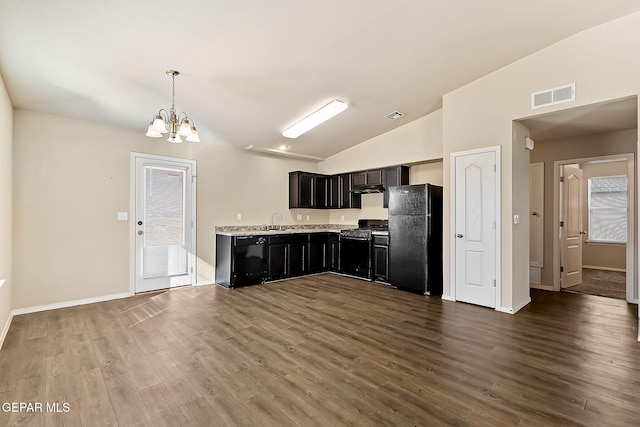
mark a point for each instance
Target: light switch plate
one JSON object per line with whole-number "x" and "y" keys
{"x": 123, "y": 216}
{"x": 239, "y": 217}
{"x": 516, "y": 219}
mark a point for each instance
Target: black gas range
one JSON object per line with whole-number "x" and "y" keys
{"x": 356, "y": 247}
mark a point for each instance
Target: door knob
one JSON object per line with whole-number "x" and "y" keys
{"x": 583, "y": 232}
{"x": 534, "y": 213}
{"x": 459, "y": 236}
{"x": 139, "y": 222}
{"x": 140, "y": 232}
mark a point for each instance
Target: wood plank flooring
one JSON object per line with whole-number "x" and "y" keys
{"x": 324, "y": 350}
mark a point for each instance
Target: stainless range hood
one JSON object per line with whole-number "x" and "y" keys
{"x": 368, "y": 188}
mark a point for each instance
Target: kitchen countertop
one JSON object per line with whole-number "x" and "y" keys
{"x": 259, "y": 230}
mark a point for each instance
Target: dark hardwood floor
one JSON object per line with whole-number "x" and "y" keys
{"x": 324, "y": 350}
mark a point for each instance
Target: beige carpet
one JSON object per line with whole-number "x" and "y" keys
{"x": 611, "y": 284}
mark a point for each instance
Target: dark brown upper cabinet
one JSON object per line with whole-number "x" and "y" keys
{"x": 317, "y": 191}
{"x": 301, "y": 190}
{"x": 348, "y": 199}
{"x": 395, "y": 175}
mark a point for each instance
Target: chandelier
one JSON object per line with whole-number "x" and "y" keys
{"x": 179, "y": 124}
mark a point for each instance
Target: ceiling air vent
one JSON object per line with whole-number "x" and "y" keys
{"x": 394, "y": 115}
{"x": 553, "y": 96}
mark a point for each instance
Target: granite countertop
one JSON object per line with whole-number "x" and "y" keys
{"x": 259, "y": 230}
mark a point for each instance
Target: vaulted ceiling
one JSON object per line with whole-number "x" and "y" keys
{"x": 251, "y": 68}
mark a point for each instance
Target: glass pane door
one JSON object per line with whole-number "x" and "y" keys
{"x": 164, "y": 222}
{"x": 164, "y": 252}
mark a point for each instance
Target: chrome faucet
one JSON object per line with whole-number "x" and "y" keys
{"x": 273, "y": 217}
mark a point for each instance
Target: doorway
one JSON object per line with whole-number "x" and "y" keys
{"x": 596, "y": 220}
{"x": 596, "y": 131}
{"x": 162, "y": 222}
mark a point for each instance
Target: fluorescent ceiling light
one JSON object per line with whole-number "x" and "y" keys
{"x": 333, "y": 108}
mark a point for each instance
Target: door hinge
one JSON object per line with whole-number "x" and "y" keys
{"x": 562, "y": 179}
{"x": 494, "y": 225}
{"x": 561, "y": 223}
{"x": 495, "y": 168}
{"x": 494, "y": 283}
{"x": 561, "y": 269}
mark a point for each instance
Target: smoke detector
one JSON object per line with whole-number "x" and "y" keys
{"x": 394, "y": 115}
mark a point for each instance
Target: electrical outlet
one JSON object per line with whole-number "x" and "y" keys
{"x": 341, "y": 217}
{"x": 308, "y": 217}
{"x": 123, "y": 216}
{"x": 239, "y": 217}
{"x": 299, "y": 217}
{"x": 516, "y": 219}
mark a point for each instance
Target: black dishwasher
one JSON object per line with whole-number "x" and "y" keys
{"x": 240, "y": 260}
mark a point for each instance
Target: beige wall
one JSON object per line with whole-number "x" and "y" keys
{"x": 429, "y": 172}
{"x": 417, "y": 141}
{"x": 71, "y": 177}
{"x": 6, "y": 167}
{"x": 603, "y": 64}
{"x": 567, "y": 149}
{"x": 601, "y": 255}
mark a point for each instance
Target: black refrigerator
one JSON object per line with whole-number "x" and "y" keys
{"x": 415, "y": 238}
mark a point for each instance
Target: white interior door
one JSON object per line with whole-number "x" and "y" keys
{"x": 475, "y": 228}
{"x": 571, "y": 227}
{"x": 164, "y": 218}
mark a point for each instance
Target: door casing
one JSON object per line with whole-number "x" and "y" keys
{"x": 132, "y": 218}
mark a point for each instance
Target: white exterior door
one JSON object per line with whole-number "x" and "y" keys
{"x": 164, "y": 224}
{"x": 475, "y": 227}
{"x": 571, "y": 227}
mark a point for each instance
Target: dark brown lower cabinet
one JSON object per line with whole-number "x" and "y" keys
{"x": 318, "y": 250}
{"x": 287, "y": 255}
{"x": 249, "y": 260}
{"x": 278, "y": 254}
{"x": 381, "y": 258}
{"x": 333, "y": 253}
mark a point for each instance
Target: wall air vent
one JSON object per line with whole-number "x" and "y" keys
{"x": 394, "y": 115}
{"x": 553, "y": 96}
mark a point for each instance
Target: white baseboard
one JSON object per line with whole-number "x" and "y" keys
{"x": 205, "y": 283}
{"x": 5, "y": 331}
{"x": 597, "y": 267}
{"x": 542, "y": 287}
{"x": 69, "y": 303}
{"x": 448, "y": 298}
{"x": 515, "y": 309}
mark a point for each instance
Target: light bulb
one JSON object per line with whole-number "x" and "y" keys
{"x": 159, "y": 124}
{"x": 175, "y": 138}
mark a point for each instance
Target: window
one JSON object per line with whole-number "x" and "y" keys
{"x": 608, "y": 209}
